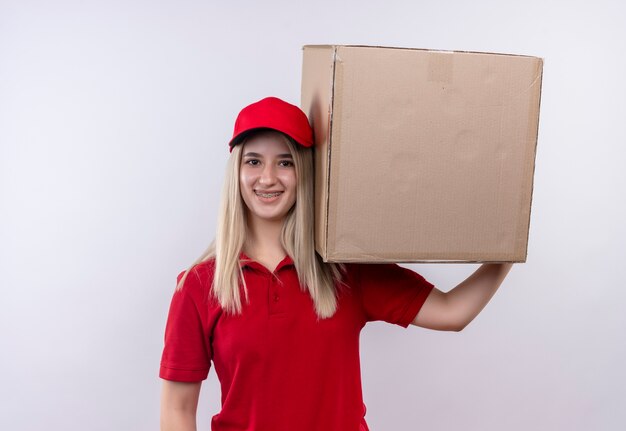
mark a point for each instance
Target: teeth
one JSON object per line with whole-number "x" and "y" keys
{"x": 268, "y": 195}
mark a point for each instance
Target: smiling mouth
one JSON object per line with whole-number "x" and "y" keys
{"x": 268, "y": 195}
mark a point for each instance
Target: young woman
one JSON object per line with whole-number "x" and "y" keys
{"x": 280, "y": 326}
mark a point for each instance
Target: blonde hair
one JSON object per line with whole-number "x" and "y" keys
{"x": 297, "y": 238}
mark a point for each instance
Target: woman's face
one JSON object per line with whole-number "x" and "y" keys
{"x": 267, "y": 176}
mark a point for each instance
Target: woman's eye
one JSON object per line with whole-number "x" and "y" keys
{"x": 286, "y": 163}
{"x": 252, "y": 162}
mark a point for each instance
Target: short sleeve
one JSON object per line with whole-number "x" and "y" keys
{"x": 391, "y": 293}
{"x": 187, "y": 353}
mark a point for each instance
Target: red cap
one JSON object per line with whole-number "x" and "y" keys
{"x": 273, "y": 113}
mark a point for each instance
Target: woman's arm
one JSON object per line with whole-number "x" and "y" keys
{"x": 179, "y": 402}
{"x": 454, "y": 310}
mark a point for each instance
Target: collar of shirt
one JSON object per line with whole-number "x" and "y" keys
{"x": 247, "y": 262}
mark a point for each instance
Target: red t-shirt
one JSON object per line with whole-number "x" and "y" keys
{"x": 279, "y": 367}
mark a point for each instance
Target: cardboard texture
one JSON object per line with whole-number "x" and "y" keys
{"x": 421, "y": 156}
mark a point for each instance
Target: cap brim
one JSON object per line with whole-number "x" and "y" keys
{"x": 243, "y": 135}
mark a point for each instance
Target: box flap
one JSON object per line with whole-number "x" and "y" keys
{"x": 316, "y": 102}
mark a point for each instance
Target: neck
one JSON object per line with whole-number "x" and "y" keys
{"x": 264, "y": 238}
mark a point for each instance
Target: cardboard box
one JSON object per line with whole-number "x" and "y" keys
{"x": 421, "y": 156}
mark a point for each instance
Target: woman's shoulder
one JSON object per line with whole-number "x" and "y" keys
{"x": 354, "y": 270}
{"x": 355, "y": 274}
{"x": 198, "y": 278}
{"x": 205, "y": 269}
{"x": 349, "y": 274}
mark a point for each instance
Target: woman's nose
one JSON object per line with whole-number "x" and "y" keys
{"x": 268, "y": 175}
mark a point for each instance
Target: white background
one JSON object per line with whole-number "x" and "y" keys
{"x": 114, "y": 118}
